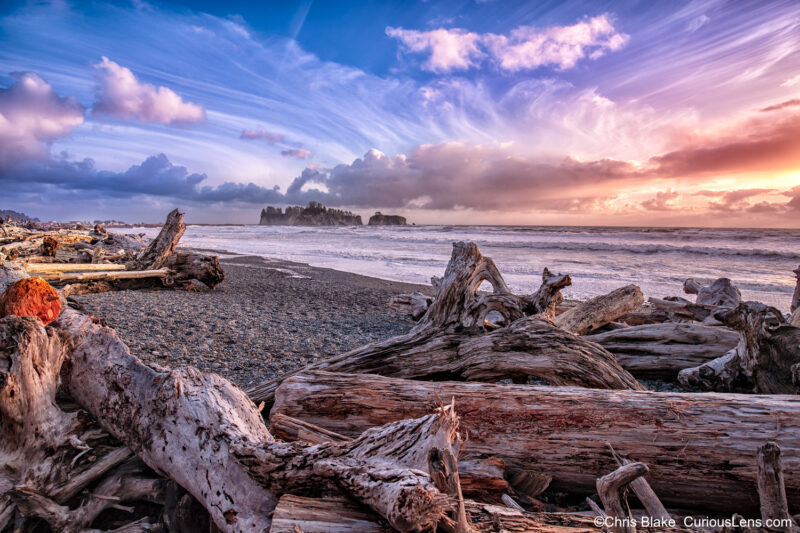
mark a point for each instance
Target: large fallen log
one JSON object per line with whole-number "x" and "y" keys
{"x": 766, "y": 360}
{"x": 451, "y": 340}
{"x": 701, "y": 448}
{"x": 111, "y": 275}
{"x": 49, "y": 268}
{"x": 660, "y": 351}
{"x": 204, "y": 433}
{"x": 600, "y": 310}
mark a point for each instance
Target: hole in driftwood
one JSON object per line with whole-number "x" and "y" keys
{"x": 485, "y": 286}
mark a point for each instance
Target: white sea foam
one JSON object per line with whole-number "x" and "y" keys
{"x": 759, "y": 261}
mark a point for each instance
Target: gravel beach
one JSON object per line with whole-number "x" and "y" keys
{"x": 268, "y": 317}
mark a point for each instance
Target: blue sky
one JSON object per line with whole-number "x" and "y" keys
{"x": 507, "y": 112}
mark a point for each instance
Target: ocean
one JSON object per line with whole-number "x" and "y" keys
{"x": 599, "y": 259}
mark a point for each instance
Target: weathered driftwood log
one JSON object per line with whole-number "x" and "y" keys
{"x": 766, "y": 359}
{"x": 721, "y": 292}
{"x": 158, "y": 251}
{"x": 49, "y": 268}
{"x": 700, "y": 447}
{"x": 796, "y": 295}
{"x": 185, "y": 267}
{"x": 548, "y": 295}
{"x": 600, "y": 310}
{"x": 660, "y": 351}
{"x": 450, "y": 341}
{"x": 771, "y": 488}
{"x": 414, "y": 304}
{"x": 681, "y": 308}
{"x": 482, "y": 478}
{"x": 58, "y": 278}
{"x": 609, "y": 487}
{"x": 204, "y": 433}
{"x": 338, "y": 515}
{"x": 49, "y": 456}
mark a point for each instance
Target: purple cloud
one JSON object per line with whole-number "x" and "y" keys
{"x": 263, "y": 135}
{"x": 298, "y": 153}
{"x": 32, "y": 115}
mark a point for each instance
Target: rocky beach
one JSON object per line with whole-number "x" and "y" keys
{"x": 268, "y": 317}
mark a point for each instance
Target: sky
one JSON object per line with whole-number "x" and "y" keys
{"x": 453, "y": 112}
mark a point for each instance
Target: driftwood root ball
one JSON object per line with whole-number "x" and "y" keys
{"x": 31, "y": 297}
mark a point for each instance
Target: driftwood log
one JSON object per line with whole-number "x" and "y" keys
{"x": 720, "y": 293}
{"x": 414, "y": 304}
{"x": 796, "y": 295}
{"x": 701, "y": 448}
{"x": 155, "y": 255}
{"x": 451, "y": 340}
{"x": 660, "y": 351}
{"x": 600, "y": 310}
{"x": 204, "y": 433}
{"x": 766, "y": 360}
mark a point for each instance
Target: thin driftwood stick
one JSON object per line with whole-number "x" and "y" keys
{"x": 443, "y": 467}
{"x": 609, "y": 487}
{"x": 643, "y": 491}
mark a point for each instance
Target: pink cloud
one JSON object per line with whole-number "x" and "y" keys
{"x": 122, "y": 95}
{"x": 299, "y": 153}
{"x": 525, "y": 48}
{"x": 263, "y": 135}
{"x": 32, "y": 115}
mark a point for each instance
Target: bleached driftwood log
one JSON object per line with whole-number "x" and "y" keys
{"x": 197, "y": 429}
{"x": 450, "y": 341}
{"x": 660, "y": 351}
{"x": 766, "y": 359}
{"x": 155, "y": 255}
{"x": 721, "y": 292}
{"x": 413, "y": 304}
{"x": 548, "y": 295}
{"x": 564, "y": 431}
{"x": 600, "y": 310}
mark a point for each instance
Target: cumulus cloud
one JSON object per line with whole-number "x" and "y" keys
{"x": 524, "y": 48}
{"x": 735, "y": 200}
{"x": 449, "y": 49}
{"x": 298, "y": 153}
{"x": 121, "y": 95}
{"x": 262, "y": 135}
{"x": 33, "y": 115}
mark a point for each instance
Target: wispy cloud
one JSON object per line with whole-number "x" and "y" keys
{"x": 262, "y": 135}
{"x": 783, "y": 105}
{"x": 122, "y": 95}
{"x": 524, "y": 48}
{"x": 297, "y": 153}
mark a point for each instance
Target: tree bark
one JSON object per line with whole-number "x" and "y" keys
{"x": 660, "y": 351}
{"x": 450, "y": 341}
{"x": 600, "y": 310}
{"x": 564, "y": 432}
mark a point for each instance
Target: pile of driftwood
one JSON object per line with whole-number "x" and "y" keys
{"x": 95, "y": 260}
{"x": 437, "y": 428}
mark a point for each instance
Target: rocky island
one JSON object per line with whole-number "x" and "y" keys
{"x": 379, "y": 219}
{"x": 315, "y": 214}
